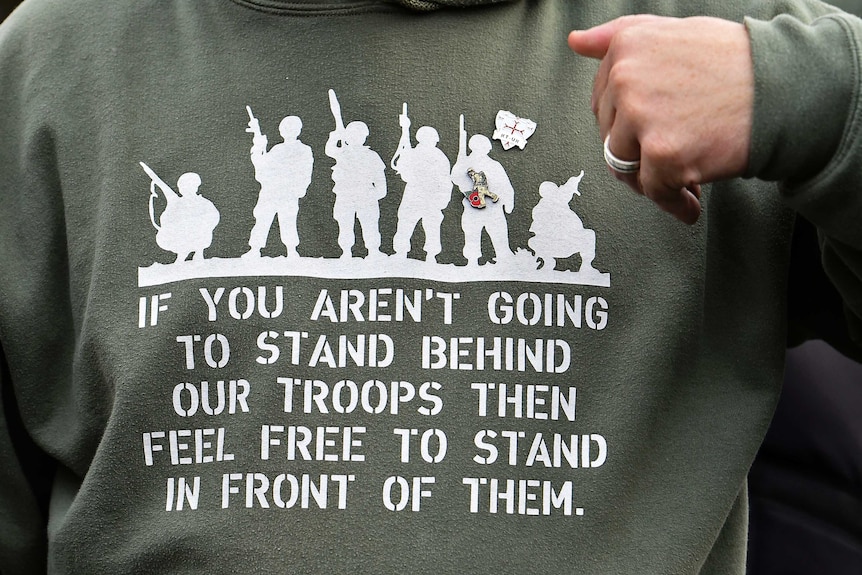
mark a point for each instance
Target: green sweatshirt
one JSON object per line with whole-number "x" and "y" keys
{"x": 255, "y": 319}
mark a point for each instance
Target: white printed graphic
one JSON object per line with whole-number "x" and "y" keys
{"x": 185, "y": 226}
{"x": 491, "y": 219}
{"x": 552, "y": 214}
{"x": 359, "y": 397}
{"x": 284, "y": 174}
{"x": 360, "y": 182}
{"x": 427, "y": 187}
{"x": 513, "y": 131}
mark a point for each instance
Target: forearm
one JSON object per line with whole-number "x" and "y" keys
{"x": 806, "y": 86}
{"x": 807, "y": 134}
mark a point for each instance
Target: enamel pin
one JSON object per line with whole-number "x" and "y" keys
{"x": 513, "y": 131}
{"x": 480, "y": 189}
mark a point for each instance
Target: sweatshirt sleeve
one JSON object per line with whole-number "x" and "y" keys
{"x": 26, "y": 470}
{"x": 807, "y": 134}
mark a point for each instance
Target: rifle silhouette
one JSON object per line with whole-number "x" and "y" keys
{"x": 155, "y": 181}
{"x": 462, "y": 139}
{"x": 335, "y": 108}
{"x": 254, "y": 124}
{"x": 404, "y": 143}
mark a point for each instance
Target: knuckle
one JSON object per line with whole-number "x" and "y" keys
{"x": 629, "y": 37}
{"x": 621, "y": 75}
{"x": 624, "y": 83}
{"x": 629, "y": 107}
{"x": 661, "y": 151}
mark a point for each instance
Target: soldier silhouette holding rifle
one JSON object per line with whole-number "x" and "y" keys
{"x": 482, "y": 215}
{"x": 360, "y": 182}
{"x": 284, "y": 174}
{"x": 185, "y": 227}
{"x": 427, "y": 187}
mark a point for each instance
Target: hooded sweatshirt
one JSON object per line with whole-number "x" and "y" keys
{"x": 461, "y": 346}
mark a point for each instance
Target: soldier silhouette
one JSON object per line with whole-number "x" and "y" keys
{"x": 185, "y": 227}
{"x": 425, "y": 170}
{"x": 359, "y": 182}
{"x": 284, "y": 174}
{"x": 558, "y": 231}
{"x": 492, "y": 217}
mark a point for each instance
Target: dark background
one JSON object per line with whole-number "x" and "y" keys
{"x": 6, "y": 7}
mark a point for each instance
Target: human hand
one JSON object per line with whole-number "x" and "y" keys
{"x": 679, "y": 95}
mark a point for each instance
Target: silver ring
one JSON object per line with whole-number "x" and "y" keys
{"x": 618, "y": 165}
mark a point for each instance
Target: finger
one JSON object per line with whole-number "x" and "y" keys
{"x": 679, "y": 201}
{"x": 681, "y": 204}
{"x": 594, "y": 42}
{"x": 685, "y": 207}
{"x": 606, "y": 114}
{"x": 600, "y": 84}
{"x": 624, "y": 137}
{"x": 623, "y": 141}
{"x": 631, "y": 179}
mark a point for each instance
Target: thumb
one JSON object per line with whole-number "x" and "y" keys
{"x": 594, "y": 42}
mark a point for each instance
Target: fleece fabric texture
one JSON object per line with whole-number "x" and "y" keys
{"x": 397, "y": 380}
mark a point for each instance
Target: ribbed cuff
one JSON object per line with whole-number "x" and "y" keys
{"x": 805, "y": 81}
